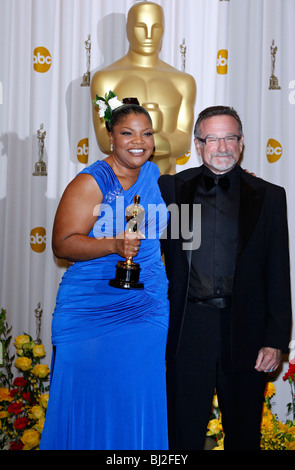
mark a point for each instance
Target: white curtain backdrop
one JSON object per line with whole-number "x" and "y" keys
{"x": 42, "y": 64}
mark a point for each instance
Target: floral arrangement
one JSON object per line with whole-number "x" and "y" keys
{"x": 23, "y": 400}
{"x": 107, "y": 104}
{"x": 215, "y": 429}
{"x": 290, "y": 376}
{"x": 275, "y": 435}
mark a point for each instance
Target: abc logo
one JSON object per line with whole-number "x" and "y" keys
{"x": 83, "y": 150}
{"x": 273, "y": 150}
{"x": 221, "y": 64}
{"x": 38, "y": 239}
{"x": 184, "y": 159}
{"x": 42, "y": 59}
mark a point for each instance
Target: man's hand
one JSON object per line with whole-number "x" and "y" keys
{"x": 268, "y": 359}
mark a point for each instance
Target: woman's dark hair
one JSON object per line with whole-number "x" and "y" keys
{"x": 130, "y": 106}
{"x": 217, "y": 111}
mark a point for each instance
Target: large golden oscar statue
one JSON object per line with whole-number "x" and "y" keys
{"x": 167, "y": 93}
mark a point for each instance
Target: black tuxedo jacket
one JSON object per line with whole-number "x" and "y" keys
{"x": 261, "y": 299}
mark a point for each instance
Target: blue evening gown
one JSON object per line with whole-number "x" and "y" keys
{"x": 108, "y": 387}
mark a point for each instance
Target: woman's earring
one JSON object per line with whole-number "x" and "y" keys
{"x": 111, "y": 147}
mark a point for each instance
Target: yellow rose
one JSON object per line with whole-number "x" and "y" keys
{"x": 3, "y": 414}
{"x": 39, "y": 426}
{"x": 38, "y": 350}
{"x": 36, "y": 412}
{"x": 30, "y": 439}
{"x": 44, "y": 400}
{"x": 5, "y": 394}
{"x": 21, "y": 340}
{"x": 214, "y": 427}
{"x": 23, "y": 363}
{"x": 41, "y": 371}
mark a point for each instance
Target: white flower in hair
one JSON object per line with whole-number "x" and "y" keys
{"x": 107, "y": 104}
{"x": 115, "y": 103}
{"x": 102, "y": 106}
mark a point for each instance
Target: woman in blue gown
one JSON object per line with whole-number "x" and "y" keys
{"x": 108, "y": 388}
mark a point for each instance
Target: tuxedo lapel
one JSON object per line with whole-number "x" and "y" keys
{"x": 251, "y": 201}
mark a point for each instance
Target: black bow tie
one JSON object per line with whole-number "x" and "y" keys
{"x": 223, "y": 181}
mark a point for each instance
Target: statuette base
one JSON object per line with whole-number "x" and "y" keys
{"x": 127, "y": 276}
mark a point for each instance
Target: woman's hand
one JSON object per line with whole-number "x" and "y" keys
{"x": 128, "y": 244}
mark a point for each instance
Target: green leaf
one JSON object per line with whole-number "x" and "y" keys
{"x": 111, "y": 94}
{"x": 108, "y": 114}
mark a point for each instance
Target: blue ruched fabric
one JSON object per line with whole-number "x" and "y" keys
{"x": 107, "y": 387}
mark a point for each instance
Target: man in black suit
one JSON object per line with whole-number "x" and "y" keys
{"x": 230, "y": 297}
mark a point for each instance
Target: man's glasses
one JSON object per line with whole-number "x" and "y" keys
{"x": 229, "y": 139}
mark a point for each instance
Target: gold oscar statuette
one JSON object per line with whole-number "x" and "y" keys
{"x": 38, "y": 315}
{"x": 40, "y": 166}
{"x": 127, "y": 272}
{"x": 166, "y": 92}
{"x": 273, "y": 80}
{"x": 86, "y": 76}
